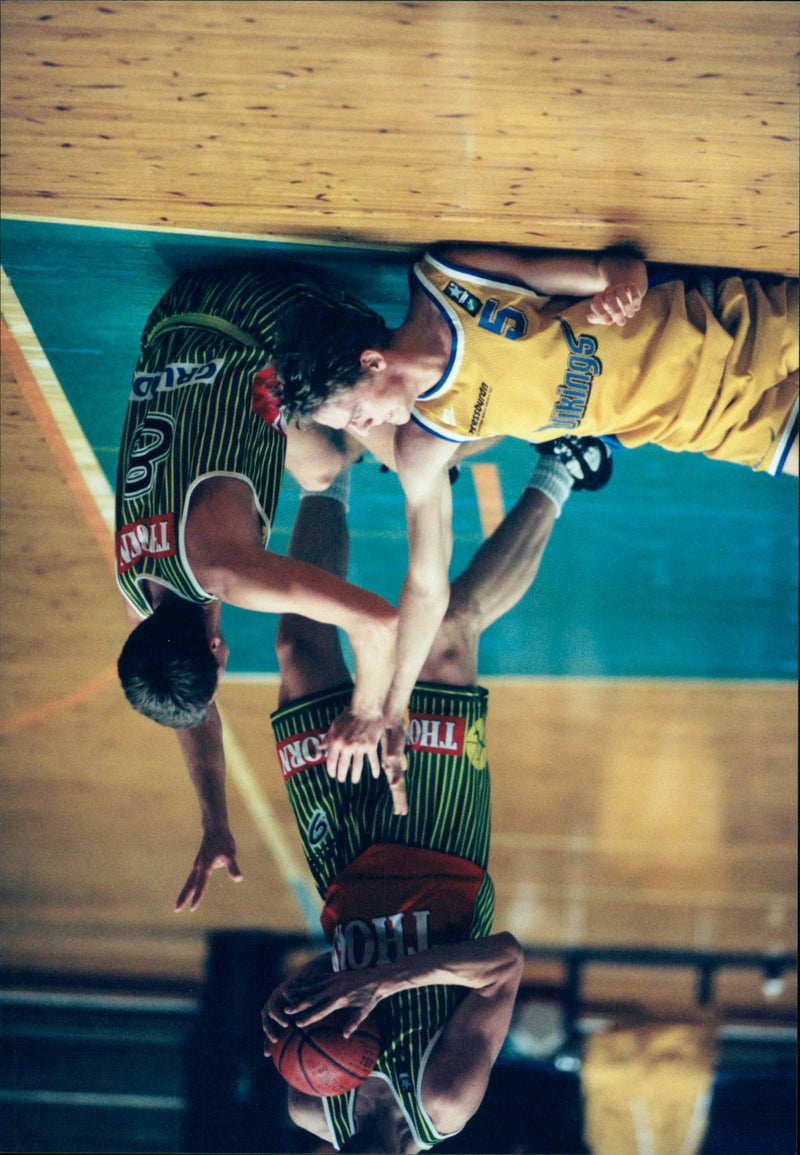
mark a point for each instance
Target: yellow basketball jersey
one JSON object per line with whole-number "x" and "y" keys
{"x": 532, "y": 367}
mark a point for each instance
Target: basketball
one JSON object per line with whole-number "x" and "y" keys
{"x": 319, "y": 1060}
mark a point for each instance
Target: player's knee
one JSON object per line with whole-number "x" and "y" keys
{"x": 289, "y": 641}
{"x": 307, "y": 1112}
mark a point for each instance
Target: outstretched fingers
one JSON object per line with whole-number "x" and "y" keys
{"x": 350, "y": 741}
{"x": 197, "y": 882}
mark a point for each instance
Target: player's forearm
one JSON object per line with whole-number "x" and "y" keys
{"x": 421, "y": 612}
{"x": 426, "y": 589}
{"x": 487, "y": 965}
{"x": 503, "y": 569}
{"x": 583, "y": 276}
{"x": 557, "y": 273}
{"x": 204, "y": 756}
{"x": 268, "y": 583}
{"x": 373, "y": 644}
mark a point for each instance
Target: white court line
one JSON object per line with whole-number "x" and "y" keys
{"x": 56, "y": 401}
{"x": 266, "y": 238}
{"x": 268, "y": 825}
{"x": 239, "y": 769}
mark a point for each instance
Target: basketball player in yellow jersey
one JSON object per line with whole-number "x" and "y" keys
{"x": 511, "y": 342}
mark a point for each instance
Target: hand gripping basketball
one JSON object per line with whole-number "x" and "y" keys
{"x": 319, "y": 1060}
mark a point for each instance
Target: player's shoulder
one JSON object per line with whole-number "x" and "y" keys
{"x": 419, "y": 452}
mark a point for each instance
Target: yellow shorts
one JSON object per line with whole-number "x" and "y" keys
{"x": 758, "y": 402}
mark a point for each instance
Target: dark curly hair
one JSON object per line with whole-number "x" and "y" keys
{"x": 166, "y": 667}
{"x": 318, "y": 351}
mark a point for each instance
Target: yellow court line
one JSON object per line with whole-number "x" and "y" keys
{"x": 95, "y": 498}
{"x": 486, "y": 478}
{"x": 682, "y": 897}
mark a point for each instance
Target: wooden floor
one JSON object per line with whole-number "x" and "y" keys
{"x": 673, "y": 125}
{"x": 639, "y": 813}
{"x": 660, "y": 814}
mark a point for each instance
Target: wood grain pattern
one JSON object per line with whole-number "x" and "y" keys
{"x": 550, "y": 124}
{"x": 638, "y": 813}
{"x": 623, "y": 813}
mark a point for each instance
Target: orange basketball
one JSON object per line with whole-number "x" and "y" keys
{"x": 319, "y": 1060}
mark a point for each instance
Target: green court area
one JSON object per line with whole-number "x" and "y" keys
{"x": 679, "y": 568}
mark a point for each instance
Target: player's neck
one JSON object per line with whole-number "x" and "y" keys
{"x": 422, "y": 345}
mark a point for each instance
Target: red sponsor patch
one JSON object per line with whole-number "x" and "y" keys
{"x": 300, "y": 752}
{"x": 436, "y": 734}
{"x": 265, "y": 403}
{"x": 149, "y": 537}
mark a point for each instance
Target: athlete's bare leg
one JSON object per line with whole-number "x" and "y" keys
{"x": 498, "y": 576}
{"x": 309, "y": 653}
{"x": 315, "y": 456}
{"x": 790, "y": 466}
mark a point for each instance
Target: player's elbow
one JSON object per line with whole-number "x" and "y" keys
{"x": 219, "y": 578}
{"x": 511, "y": 960}
{"x": 430, "y": 589}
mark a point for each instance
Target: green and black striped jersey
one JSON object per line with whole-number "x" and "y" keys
{"x": 201, "y": 406}
{"x": 448, "y": 785}
{"x": 397, "y": 884}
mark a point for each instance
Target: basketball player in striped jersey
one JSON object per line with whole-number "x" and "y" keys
{"x": 408, "y": 901}
{"x": 534, "y": 345}
{"x": 203, "y": 451}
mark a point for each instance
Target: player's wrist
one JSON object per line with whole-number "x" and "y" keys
{"x": 553, "y": 479}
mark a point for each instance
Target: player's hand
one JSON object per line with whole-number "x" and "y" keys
{"x": 314, "y": 997}
{"x": 274, "y": 1017}
{"x": 395, "y": 764}
{"x": 351, "y": 739}
{"x": 216, "y": 850}
{"x": 616, "y": 304}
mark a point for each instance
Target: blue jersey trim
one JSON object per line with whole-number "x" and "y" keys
{"x": 613, "y": 442}
{"x": 435, "y": 432}
{"x": 790, "y": 439}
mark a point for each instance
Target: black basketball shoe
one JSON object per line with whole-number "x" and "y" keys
{"x": 588, "y": 459}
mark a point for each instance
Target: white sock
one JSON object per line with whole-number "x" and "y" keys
{"x": 553, "y": 479}
{"x": 338, "y": 490}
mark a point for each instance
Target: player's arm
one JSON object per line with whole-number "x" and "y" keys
{"x": 204, "y": 756}
{"x": 422, "y": 469}
{"x": 616, "y": 280}
{"x": 275, "y": 1014}
{"x": 461, "y": 1062}
{"x": 225, "y": 551}
{"x": 458, "y": 1070}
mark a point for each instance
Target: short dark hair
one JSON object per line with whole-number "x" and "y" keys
{"x": 166, "y": 667}
{"x": 318, "y": 350}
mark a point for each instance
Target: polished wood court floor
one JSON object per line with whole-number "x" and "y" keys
{"x": 626, "y": 813}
